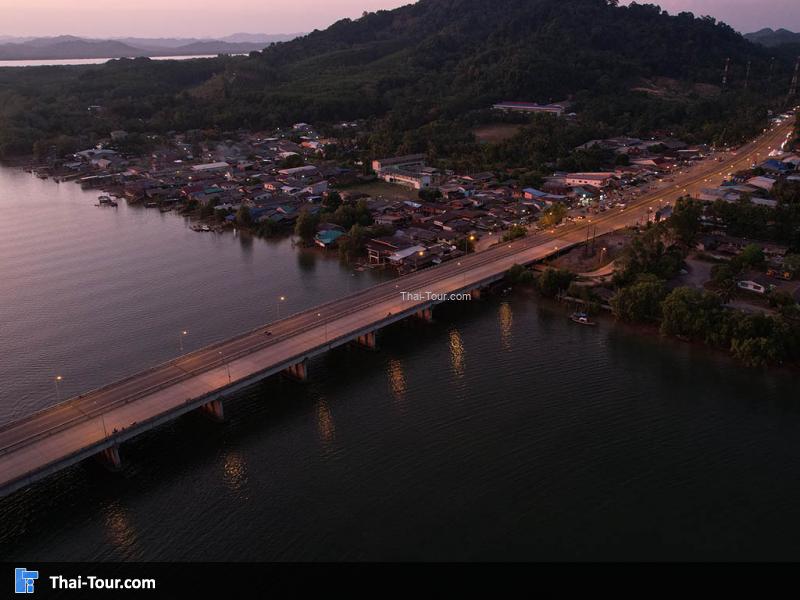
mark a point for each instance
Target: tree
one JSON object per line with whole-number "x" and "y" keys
{"x": 332, "y": 202}
{"x": 243, "y": 216}
{"x": 306, "y": 226}
{"x": 553, "y": 282}
{"x": 685, "y": 221}
{"x": 758, "y": 351}
{"x": 792, "y": 263}
{"x": 429, "y": 195}
{"x": 515, "y": 232}
{"x": 690, "y": 313}
{"x": 752, "y": 257}
{"x": 640, "y": 302}
{"x": 723, "y": 278}
{"x": 519, "y": 275}
{"x": 292, "y": 161}
{"x": 647, "y": 253}
{"x": 553, "y": 215}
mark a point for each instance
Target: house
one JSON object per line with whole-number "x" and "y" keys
{"x": 328, "y": 238}
{"x": 530, "y": 107}
{"x": 598, "y": 180}
{"x": 764, "y": 183}
{"x": 380, "y": 249}
{"x": 414, "y": 179}
{"x": 410, "y": 161}
{"x": 211, "y": 167}
{"x": 407, "y": 257}
{"x": 776, "y": 166}
{"x": 304, "y": 171}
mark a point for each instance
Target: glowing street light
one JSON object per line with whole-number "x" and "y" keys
{"x": 466, "y": 243}
{"x": 182, "y": 335}
{"x": 278, "y": 304}
{"x": 57, "y": 381}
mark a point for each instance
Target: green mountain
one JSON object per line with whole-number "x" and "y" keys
{"x": 423, "y": 69}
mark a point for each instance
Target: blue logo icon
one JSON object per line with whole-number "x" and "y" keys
{"x": 23, "y": 580}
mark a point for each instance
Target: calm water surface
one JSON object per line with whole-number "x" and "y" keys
{"x": 86, "y": 61}
{"x": 502, "y": 431}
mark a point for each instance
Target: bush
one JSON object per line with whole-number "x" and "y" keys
{"x": 553, "y": 282}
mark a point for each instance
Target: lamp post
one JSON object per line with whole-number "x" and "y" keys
{"x": 227, "y": 366}
{"x": 278, "y": 304}
{"x": 467, "y": 240}
{"x": 181, "y": 335}
{"x": 325, "y": 324}
{"x": 57, "y": 381}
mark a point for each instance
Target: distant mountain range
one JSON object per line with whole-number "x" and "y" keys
{"x": 771, "y": 38}
{"x": 71, "y": 47}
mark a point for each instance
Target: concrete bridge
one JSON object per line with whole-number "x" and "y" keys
{"x": 98, "y": 422}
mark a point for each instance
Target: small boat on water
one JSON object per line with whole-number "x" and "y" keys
{"x": 106, "y": 201}
{"x": 582, "y": 319}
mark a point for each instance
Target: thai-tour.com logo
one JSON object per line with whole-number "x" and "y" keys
{"x": 24, "y": 580}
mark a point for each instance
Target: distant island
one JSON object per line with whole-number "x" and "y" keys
{"x": 772, "y": 38}
{"x": 71, "y": 47}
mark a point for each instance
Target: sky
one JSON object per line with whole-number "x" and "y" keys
{"x": 209, "y": 18}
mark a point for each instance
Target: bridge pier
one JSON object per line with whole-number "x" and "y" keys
{"x": 214, "y": 410}
{"x": 368, "y": 341}
{"x": 298, "y": 371}
{"x": 110, "y": 459}
{"x": 476, "y": 294}
{"x": 426, "y": 314}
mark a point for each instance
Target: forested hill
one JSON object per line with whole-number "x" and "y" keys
{"x": 468, "y": 53}
{"x": 421, "y": 66}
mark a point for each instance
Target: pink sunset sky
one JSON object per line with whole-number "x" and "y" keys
{"x": 204, "y": 18}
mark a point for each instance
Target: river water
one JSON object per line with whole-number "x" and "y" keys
{"x": 501, "y": 431}
{"x": 54, "y": 62}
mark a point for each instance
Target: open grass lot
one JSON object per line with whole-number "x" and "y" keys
{"x": 381, "y": 189}
{"x": 498, "y": 132}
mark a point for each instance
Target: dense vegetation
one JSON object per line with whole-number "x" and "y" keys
{"x": 656, "y": 256}
{"x": 423, "y": 75}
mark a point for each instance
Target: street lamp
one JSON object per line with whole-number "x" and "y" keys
{"x": 227, "y": 366}
{"x": 467, "y": 240}
{"x": 58, "y": 380}
{"x": 181, "y": 335}
{"x": 278, "y": 304}
{"x": 325, "y": 324}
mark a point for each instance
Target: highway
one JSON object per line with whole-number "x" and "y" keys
{"x": 66, "y": 433}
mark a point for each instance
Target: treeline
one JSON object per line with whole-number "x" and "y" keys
{"x": 657, "y": 255}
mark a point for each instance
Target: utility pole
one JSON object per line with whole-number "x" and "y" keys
{"x": 793, "y": 87}
{"x": 726, "y": 74}
{"x": 747, "y": 77}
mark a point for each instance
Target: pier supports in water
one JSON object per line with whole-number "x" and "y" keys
{"x": 110, "y": 459}
{"x": 214, "y": 410}
{"x": 426, "y": 314}
{"x": 476, "y": 294}
{"x": 298, "y": 371}
{"x": 368, "y": 341}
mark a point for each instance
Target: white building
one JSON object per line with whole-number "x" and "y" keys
{"x": 598, "y": 180}
{"x": 415, "y": 180}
